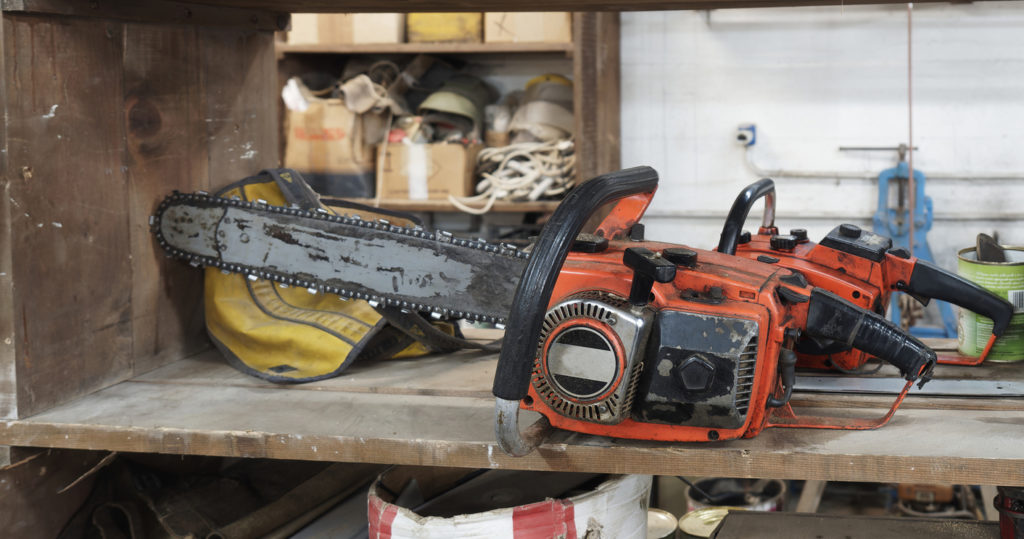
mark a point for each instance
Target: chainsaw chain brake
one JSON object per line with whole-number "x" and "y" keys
{"x": 313, "y": 286}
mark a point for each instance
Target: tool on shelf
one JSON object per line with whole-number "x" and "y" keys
{"x": 608, "y": 334}
{"x": 860, "y": 266}
{"x": 894, "y": 222}
{"x": 616, "y": 336}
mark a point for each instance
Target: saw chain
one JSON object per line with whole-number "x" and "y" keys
{"x": 209, "y": 231}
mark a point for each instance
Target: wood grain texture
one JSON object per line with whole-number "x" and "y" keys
{"x": 423, "y": 48}
{"x": 437, "y": 412}
{"x": 357, "y": 6}
{"x": 33, "y": 502}
{"x": 8, "y": 341}
{"x": 155, "y": 11}
{"x": 596, "y": 89}
{"x": 69, "y": 233}
{"x": 239, "y": 74}
{"x": 445, "y": 206}
{"x": 106, "y": 117}
{"x": 165, "y": 149}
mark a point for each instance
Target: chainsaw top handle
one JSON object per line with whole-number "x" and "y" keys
{"x": 741, "y": 208}
{"x": 512, "y": 379}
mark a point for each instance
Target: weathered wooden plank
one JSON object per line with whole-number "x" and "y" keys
{"x": 105, "y": 118}
{"x": 69, "y": 220}
{"x": 471, "y": 373}
{"x": 596, "y": 89}
{"x": 357, "y": 6}
{"x": 158, "y": 11}
{"x": 437, "y": 411}
{"x": 8, "y": 343}
{"x": 919, "y": 445}
{"x": 464, "y": 374}
{"x": 165, "y": 149}
{"x": 423, "y": 48}
{"x": 239, "y": 77}
{"x": 33, "y": 499}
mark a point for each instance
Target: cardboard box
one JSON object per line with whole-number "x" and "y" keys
{"x": 347, "y": 29}
{"x": 444, "y": 27}
{"x": 325, "y": 144}
{"x": 527, "y": 27}
{"x": 426, "y": 171}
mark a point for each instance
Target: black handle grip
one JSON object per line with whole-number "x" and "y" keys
{"x": 512, "y": 378}
{"x": 832, "y": 317}
{"x": 931, "y": 281}
{"x": 787, "y": 371}
{"x": 647, "y": 268}
{"x": 741, "y": 208}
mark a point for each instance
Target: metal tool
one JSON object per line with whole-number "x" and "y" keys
{"x": 859, "y": 266}
{"x": 883, "y": 385}
{"x": 608, "y": 334}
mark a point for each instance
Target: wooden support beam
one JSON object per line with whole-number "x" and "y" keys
{"x": 361, "y": 6}
{"x": 158, "y": 11}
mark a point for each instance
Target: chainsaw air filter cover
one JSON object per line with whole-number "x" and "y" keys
{"x": 700, "y": 370}
{"x": 590, "y": 356}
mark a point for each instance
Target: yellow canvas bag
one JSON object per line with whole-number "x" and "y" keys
{"x": 286, "y": 334}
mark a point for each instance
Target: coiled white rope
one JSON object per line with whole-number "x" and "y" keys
{"x": 525, "y": 171}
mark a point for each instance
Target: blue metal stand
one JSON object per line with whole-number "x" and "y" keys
{"x": 895, "y": 223}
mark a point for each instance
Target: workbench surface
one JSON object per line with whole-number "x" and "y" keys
{"x": 439, "y": 411}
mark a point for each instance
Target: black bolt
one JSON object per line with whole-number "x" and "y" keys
{"x": 850, "y": 231}
{"x": 695, "y": 374}
{"x": 781, "y": 242}
{"x": 680, "y": 256}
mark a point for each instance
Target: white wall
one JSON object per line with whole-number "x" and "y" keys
{"x": 813, "y": 79}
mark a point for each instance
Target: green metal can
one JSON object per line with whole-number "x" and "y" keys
{"x": 1005, "y": 279}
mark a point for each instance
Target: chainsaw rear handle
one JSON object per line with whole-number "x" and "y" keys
{"x": 831, "y": 317}
{"x": 512, "y": 378}
{"x": 741, "y": 208}
{"x": 930, "y": 281}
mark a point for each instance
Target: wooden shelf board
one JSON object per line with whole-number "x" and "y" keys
{"x": 361, "y": 6}
{"x": 424, "y": 48}
{"x": 546, "y": 206}
{"x": 438, "y": 411}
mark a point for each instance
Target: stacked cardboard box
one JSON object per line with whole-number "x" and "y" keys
{"x": 527, "y": 27}
{"x": 347, "y": 29}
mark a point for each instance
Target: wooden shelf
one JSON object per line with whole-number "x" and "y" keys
{"x": 378, "y": 6}
{"x": 546, "y": 206}
{"x": 439, "y": 411}
{"x": 425, "y": 48}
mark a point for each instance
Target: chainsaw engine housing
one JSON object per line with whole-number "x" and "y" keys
{"x": 695, "y": 363}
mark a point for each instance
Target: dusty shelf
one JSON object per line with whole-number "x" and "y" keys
{"x": 546, "y": 206}
{"x": 422, "y": 48}
{"x": 439, "y": 411}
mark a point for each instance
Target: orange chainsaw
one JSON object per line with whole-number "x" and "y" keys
{"x": 607, "y": 334}
{"x": 613, "y": 336}
{"x": 859, "y": 266}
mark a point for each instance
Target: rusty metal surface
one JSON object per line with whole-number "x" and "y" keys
{"x": 404, "y": 267}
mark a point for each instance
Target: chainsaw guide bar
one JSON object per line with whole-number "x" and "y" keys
{"x": 376, "y": 261}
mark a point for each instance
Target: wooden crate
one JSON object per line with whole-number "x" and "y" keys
{"x": 105, "y": 116}
{"x": 527, "y": 27}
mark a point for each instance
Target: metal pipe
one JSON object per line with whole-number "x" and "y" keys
{"x": 835, "y": 174}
